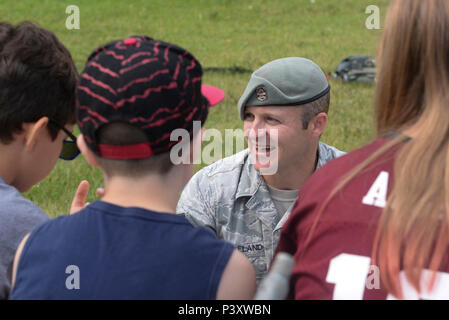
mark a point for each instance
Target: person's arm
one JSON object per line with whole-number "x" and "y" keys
{"x": 238, "y": 281}
{"x": 17, "y": 258}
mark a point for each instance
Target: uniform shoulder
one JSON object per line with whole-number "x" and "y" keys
{"x": 228, "y": 164}
{"x": 232, "y": 163}
{"x": 331, "y": 150}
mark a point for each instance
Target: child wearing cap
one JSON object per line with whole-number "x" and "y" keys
{"x": 130, "y": 245}
{"x": 37, "y": 112}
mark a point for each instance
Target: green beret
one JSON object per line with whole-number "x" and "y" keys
{"x": 284, "y": 82}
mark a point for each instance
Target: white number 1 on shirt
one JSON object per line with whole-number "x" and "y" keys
{"x": 349, "y": 273}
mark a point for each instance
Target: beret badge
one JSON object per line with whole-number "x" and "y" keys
{"x": 261, "y": 93}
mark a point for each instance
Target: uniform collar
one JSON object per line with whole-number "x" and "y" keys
{"x": 321, "y": 151}
{"x": 251, "y": 180}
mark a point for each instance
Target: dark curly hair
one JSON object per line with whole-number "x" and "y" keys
{"x": 37, "y": 78}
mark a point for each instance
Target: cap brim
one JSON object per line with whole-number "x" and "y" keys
{"x": 212, "y": 94}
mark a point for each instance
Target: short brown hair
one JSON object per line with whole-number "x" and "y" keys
{"x": 311, "y": 109}
{"x": 123, "y": 133}
{"x": 37, "y": 78}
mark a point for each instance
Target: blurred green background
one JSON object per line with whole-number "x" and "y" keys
{"x": 223, "y": 34}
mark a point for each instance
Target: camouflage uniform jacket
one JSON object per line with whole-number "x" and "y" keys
{"x": 231, "y": 198}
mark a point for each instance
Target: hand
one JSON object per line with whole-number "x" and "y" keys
{"x": 79, "y": 201}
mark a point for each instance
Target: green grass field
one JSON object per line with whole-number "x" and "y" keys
{"x": 224, "y": 34}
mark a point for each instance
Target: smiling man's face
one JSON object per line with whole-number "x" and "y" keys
{"x": 293, "y": 141}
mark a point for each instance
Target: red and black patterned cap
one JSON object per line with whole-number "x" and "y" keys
{"x": 153, "y": 85}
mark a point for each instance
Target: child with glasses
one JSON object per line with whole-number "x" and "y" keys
{"x": 37, "y": 112}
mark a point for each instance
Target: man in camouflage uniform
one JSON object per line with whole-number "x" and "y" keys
{"x": 234, "y": 197}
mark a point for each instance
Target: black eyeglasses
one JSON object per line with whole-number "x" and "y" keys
{"x": 69, "y": 148}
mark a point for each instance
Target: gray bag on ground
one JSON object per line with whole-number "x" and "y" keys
{"x": 356, "y": 68}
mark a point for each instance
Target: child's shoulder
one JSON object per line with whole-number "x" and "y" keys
{"x": 16, "y": 211}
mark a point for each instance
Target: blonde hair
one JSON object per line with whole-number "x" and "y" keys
{"x": 412, "y": 92}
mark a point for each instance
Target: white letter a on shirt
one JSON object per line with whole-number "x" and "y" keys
{"x": 377, "y": 194}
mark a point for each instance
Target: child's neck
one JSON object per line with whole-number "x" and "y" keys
{"x": 9, "y": 162}
{"x": 154, "y": 192}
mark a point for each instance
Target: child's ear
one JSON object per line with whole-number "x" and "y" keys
{"x": 33, "y": 131}
{"x": 87, "y": 153}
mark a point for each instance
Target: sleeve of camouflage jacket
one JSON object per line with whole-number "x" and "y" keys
{"x": 196, "y": 202}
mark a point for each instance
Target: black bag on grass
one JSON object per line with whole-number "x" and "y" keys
{"x": 356, "y": 68}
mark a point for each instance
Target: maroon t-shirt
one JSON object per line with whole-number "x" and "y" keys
{"x": 337, "y": 263}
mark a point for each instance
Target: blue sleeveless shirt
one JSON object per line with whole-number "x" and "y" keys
{"x": 111, "y": 252}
